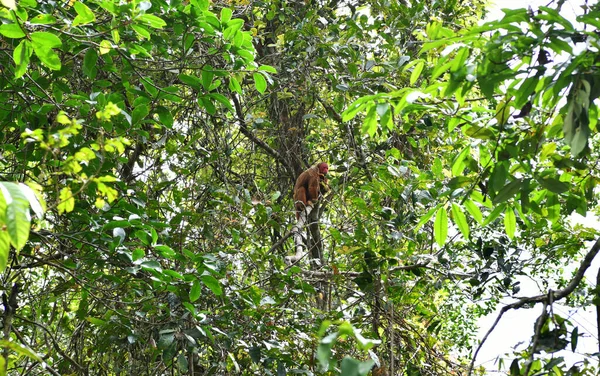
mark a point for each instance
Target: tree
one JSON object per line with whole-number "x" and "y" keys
{"x": 165, "y": 137}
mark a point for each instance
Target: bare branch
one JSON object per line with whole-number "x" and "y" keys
{"x": 551, "y": 296}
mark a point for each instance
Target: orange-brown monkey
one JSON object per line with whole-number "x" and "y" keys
{"x": 306, "y": 190}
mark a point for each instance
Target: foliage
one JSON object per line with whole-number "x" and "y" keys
{"x": 165, "y": 138}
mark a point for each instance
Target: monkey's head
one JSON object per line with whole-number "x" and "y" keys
{"x": 323, "y": 168}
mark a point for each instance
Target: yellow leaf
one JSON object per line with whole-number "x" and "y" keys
{"x": 10, "y": 4}
{"x": 105, "y": 47}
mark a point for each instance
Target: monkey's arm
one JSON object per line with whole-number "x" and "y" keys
{"x": 313, "y": 189}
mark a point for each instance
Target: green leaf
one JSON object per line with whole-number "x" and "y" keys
{"x": 207, "y": 103}
{"x": 173, "y": 274}
{"x": 461, "y": 220}
{"x": 151, "y": 265}
{"x": 43, "y": 19}
{"x": 165, "y": 116}
{"x": 11, "y": 31}
{"x": 18, "y": 220}
{"x": 43, "y": 42}
{"x": 139, "y": 113}
{"x": 89, "y": 63}
{"x": 4, "y": 237}
{"x": 95, "y": 321}
{"x": 232, "y": 32}
{"x": 246, "y": 55}
{"x": 195, "y": 291}
{"x": 193, "y": 81}
{"x": 459, "y": 165}
{"x": 507, "y": 191}
{"x": 20, "y": 349}
{"x": 494, "y": 214}
{"x": 225, "y": 15}
{"x": 207, "y": 76}
{"x": 552, "y": 15}
{"x": 416, "y": 73}
{"x": 525, "y": 90}
{"x": 137, "y": 254}
{"x": 352, "y": 111}
{"x": 200, "y": 4}
{"x": 21, "y": 55}
{"x": 514, "y": 368}
{"x": 234, "y": 85}
{"x": 353, "y": 367}
{"x": 553, "y": 185}
{"x": 510, "y": 222}
{"x": 152, "y": 21}
{"x": 478, "y": 132}
{"x": 502, "y": 113}
{"x": 370, "y": 123}
{"x": 36, "y": 202}
{"x": 324, "y": 350}
{"x": 260, "y": 82}
{"x": 141, "y": 31}
{"x": 579, "y": 141}
{"x": 267, "y": 68}
{"x": 213, "y": 284}
{"x": 473, "y": 209}
{"x": 66, "y": 201}
{"x": 440, "y": 229}
{"x": 84, "y": 14}
{"x": 223, "y": 100}
{"x": 425, "y": 218}
{"x": 574, "y": 338}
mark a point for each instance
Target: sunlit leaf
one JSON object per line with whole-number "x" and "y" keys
{"x": 510, "y": 222}
{"x": 440, "y": 230}
{"x": 152, "y": 20}
{"x": 12, "y": 30}
{"x": 225, "y": 15}
{"x": 84, "y": 14}
{"x": 10, "y": 4}
{"x": 474, "y": 210}
{"x": 260, "y": 82}
{"x": 461, "y": 220}
{"x": 18, "y": 220}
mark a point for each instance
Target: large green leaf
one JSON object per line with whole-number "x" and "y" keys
{"x": 18, "y": 220}
{"x": 195, "y": 291}
{"x": 461, "y": 220}
{"x": 152, "y": 20}
{"x": 260, "y": 82}
{"x": 353, "y": 367}
{"x": 440, "y": 230}
{"x": 84, "y": 14}
{"x": 510, "y": 222}
{"x": 43, "y": 44}
{"x": 213, "y": 284}
{"x": 12, "y": 31}
{"x": 21, "y": 55}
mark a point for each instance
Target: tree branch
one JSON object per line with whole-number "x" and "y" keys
{"x": 260, "y": 143}
{"x": 545, "y": 298}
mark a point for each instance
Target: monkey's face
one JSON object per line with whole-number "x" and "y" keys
{"x": 323, "y": 168}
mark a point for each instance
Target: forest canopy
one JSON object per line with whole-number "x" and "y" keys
{"x": 149, "y": 150}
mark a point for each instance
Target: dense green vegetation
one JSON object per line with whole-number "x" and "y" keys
{"x": 148, "y": 155}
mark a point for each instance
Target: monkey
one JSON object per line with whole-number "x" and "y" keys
{"x": 308, "y": 185}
